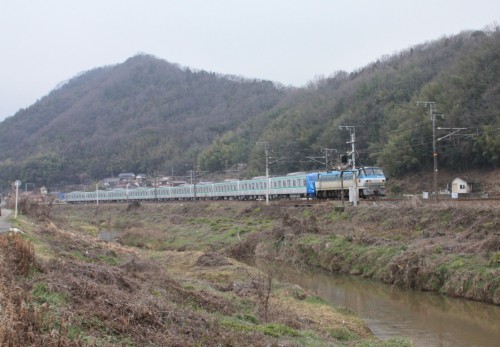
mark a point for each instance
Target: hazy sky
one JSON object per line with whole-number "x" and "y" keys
{"x": 45, "y": 42}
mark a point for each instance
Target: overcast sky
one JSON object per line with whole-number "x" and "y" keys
{"x": 45, "y": 42}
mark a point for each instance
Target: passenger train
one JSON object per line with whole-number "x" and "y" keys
{"x": 370, "y": 181}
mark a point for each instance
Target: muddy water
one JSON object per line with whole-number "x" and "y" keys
{"x": 108, "y": 235}
{"x": 427, "y": 319}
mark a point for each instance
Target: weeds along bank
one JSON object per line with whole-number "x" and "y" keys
{"x": 61, "y": 286}
{"x": 454, "y": 250}
{"x": 448, "y": 249}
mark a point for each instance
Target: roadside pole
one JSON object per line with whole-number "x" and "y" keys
{"x": 17, "y": 184}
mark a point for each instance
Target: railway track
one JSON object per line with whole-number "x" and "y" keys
{"x": 461, "y": 201}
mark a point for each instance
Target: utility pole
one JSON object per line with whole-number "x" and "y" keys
{"x": 432, "y": 113}
{"x": 156, "y": 185}
{"x": 193, "y": 181}
{"x": 266, "y": 151}
{"x": 352, "y": 132}
{"x": 326, "y": 150}
{"x": 17, "y": 183}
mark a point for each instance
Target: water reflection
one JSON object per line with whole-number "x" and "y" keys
{"x": 428, "y": 319}
{"x": 108, "y": 235}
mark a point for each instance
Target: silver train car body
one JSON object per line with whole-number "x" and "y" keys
{"x": 284, "y": 187}
{"x": 321, "y": 185}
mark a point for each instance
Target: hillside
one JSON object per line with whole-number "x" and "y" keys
{"x": 147, "y": 115}
{"x": 143, "y": 115}
{"x": 460, "y": 73}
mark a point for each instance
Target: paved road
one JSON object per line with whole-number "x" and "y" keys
{"x": 5, "y": 220}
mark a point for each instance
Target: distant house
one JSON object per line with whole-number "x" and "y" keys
{"x": 111, "y": 182}
{"x": 141, "y": 177}
{"x": 460, "y": 186}
{"x": 127, "y": 176}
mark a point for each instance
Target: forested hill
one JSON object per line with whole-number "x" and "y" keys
{"x": 461, "y": 74}
{"x": 149, "y": 115}
{"x": 140, "y": 116}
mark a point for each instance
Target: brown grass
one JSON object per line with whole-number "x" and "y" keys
{"x": 106, "y": 294}
{"x": 21, "y": 322}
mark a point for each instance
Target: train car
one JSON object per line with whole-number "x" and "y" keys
{"x": 291, "y": 186}
{"x": 370, "y": 181}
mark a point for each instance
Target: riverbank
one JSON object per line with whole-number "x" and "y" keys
{"x": 172, "y": 277}
{"x": 164, "y": 284}
{"x": 447, "y": 248}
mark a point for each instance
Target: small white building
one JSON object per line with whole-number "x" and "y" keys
{"x": 460, "y": 186}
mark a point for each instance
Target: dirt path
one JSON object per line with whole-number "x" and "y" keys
{"x": 5, "y": 220}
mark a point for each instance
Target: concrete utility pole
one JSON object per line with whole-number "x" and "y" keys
{"x": 352, "y": 131}
{"x": 266, "y": 151}
{"x": 17, "y": 183}
{"x": 156, "y": 186}
{"x": 192, "y": 174}
{"x": 432, "y": 113}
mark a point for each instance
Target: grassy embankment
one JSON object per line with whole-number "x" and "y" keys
{"x": 454, "y": 250}
{"x": 447, "y": 248}
{"x": 166, "y": 284}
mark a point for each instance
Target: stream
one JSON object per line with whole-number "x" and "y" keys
{"x": 428, "y": 319}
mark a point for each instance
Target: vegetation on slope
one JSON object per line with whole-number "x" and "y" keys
{"x": 449, "y": 249}
{"x": 61, "y": 286}
{"x": 459, "y": 73}
{"x": 140, "y": 116}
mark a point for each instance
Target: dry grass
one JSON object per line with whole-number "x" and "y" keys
{"x": 88, "y": 292}
{"x": 21, "y": 322}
